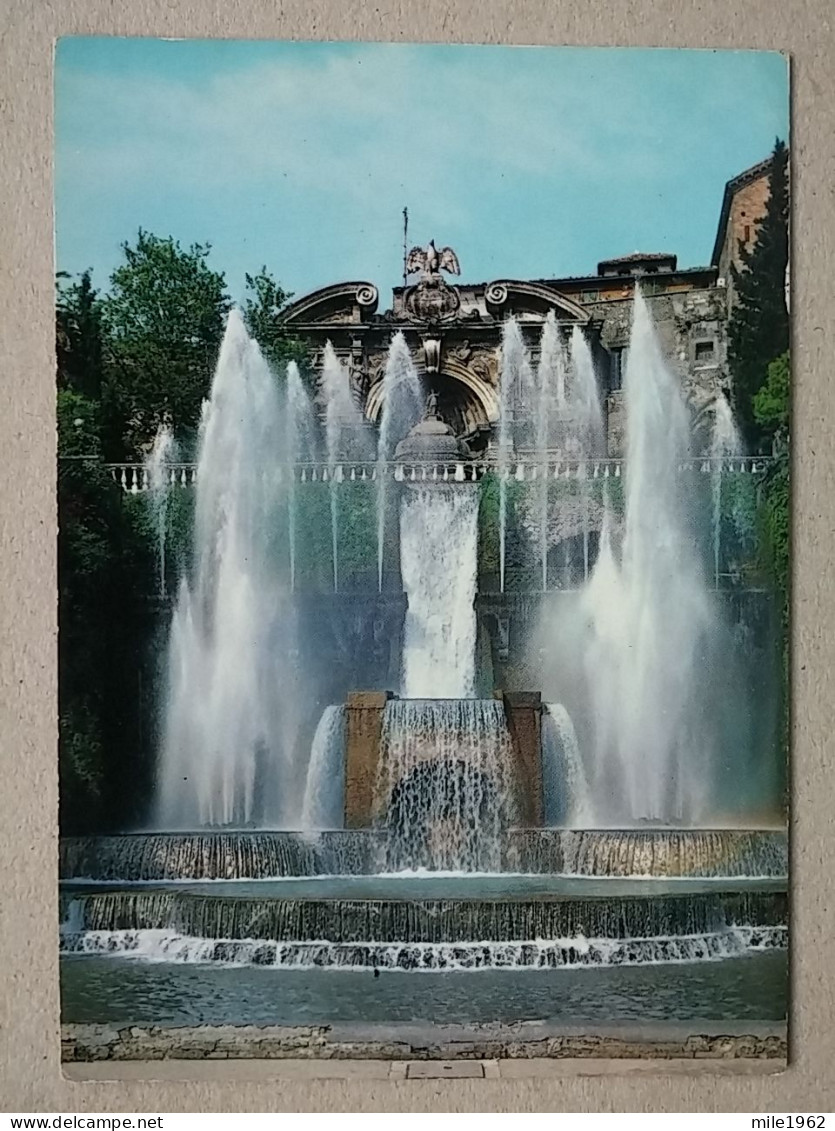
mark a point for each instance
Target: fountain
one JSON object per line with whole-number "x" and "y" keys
{"x": 516, "y": 391}
{"x": 439, "y": 822}
{"x": 401, "y": 408}
{"x": 158, "y": 469}
{"x": 550, "y": 408}
{"x": 342, "y": 423}
{"x": 725, "y": 444}
{"x": 586, "y": 414}
{"x": 230, "y": 716}
{"x": 649, "y": 615}
{"x": 324, "y": 800}
{"x": 299, "y": 445}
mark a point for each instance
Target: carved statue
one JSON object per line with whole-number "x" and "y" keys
{"x": 431, "y": 261}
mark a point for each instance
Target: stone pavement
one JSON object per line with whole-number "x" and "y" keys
{"x": 409, "y": 1051}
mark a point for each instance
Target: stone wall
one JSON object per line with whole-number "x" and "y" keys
{"x": 86, "y": 1043}
{"x": 524, "y": 716}
{"x": 691, "y": 325}
{"x": 363, "y": 731}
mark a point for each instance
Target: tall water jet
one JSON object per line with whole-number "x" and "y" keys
{"x": 725, "y": 444}
{"x": 323, "y": 805}
{"x": 725, "y": 437}
{"x": 158, "y": 471}
{"x": 516, "y": 392}
{"x": 402, "y": 405}
{"x": 550, "y": 405}
{"x": 588, "y": 430}
{"x": 650, "y": 616}
{"x": 438, "y": 560}
{"x": 585, "y": 400}
{"x": 343, "y": 426}
{"x": 550, "y": 381}
{"x": 230, "y": 718}
{"x": 299, "y": 446}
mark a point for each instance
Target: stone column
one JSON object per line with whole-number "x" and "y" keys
{"x": 363, "y": 730}
{"x": 524, "y": 719}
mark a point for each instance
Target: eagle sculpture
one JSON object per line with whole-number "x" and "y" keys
{"x": 431, "y": 261}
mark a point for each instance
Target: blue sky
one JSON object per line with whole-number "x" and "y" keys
{"x": 530, "y": 162}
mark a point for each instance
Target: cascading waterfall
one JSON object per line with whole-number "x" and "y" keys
{"x": 259, "y": 854}
{"x": 651, "y": 853}
{"x": 563, "y": 952}
{"x": 231, "y": 716}
{"x": 564, "y": 782}
{"x": 438, "y": 558}
{"x": 222, "y": 855}
{"x": 422, "y": 934}
{"x": 401, "y": 409}
{"x": 445, "y": 783}
{"x": 158, "y": 470}
{"x": 649, "y": 616}
{"x": 516, "y": 392}
{"x": 323, "y": 803}
{"x": 300, "y": 446}
{"x": 428, "y": 921}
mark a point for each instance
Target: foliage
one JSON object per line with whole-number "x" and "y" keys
{"x": 772, "y": 407}
{"x": 758, "y": 330}
{"x": 758, "y": 341}
{"x": 163, "y": 320}
{"x": 264, "y": 302}
{"x": 97, "y": 599}
{"x": 518, "y": 568}
{"x": 127, "y": 360}
{"x": 78, "y": 333}
{"x": 357, "y": 528}
{"x": 772, "y": 402}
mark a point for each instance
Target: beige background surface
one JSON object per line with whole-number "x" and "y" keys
{"x": 30, "y": 1073}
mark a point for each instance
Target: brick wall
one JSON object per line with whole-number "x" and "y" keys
{"x": 747, "y": 209}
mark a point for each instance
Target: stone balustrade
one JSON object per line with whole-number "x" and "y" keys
{"x": 135, "y": 477}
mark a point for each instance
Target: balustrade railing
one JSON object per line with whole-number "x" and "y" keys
{"x": 135, "y": 477}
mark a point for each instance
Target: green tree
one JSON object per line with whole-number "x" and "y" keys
{"x": 264, "y": 303}
{"x": 105, "y": 560}
{"x": 772, "y": 402}
{"x": 79, "y": 335}
{"x": 163, "y": 320}
{"x": 758, "y": 329}
{"x": 84, "y": 560}
{"x": 772, "y": 406}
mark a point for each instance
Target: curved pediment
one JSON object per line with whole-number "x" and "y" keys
{"x": 340, "y": 303}
{"x": 504, "y": 297}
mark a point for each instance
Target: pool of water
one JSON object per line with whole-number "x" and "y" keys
{"x": 435, "y": 885}
{"x": 120, "y": 991}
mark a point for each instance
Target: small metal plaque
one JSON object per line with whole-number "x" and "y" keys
{"x": 444, "y": 1070}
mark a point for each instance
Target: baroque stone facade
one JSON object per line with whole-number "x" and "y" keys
{"x": 454, "y": 334}
{"x": 454, "y": 331}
